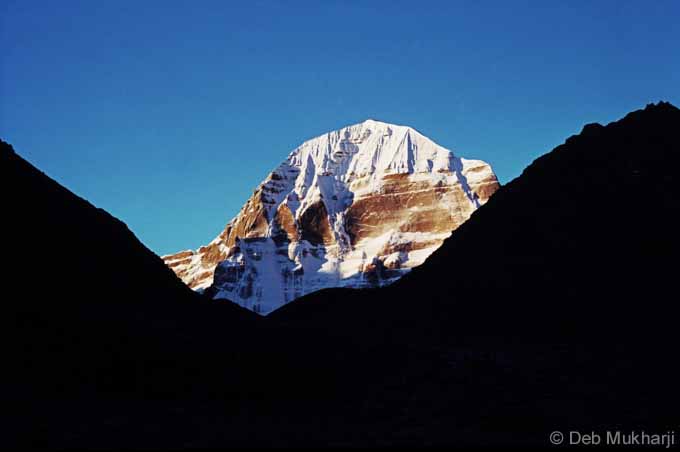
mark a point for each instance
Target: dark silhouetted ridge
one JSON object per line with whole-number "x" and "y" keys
{"x": 90, "y": 310}
{"x": 108, "y": 348}
{"x": 584, "y": 239}
{"x": 551, "y": 309}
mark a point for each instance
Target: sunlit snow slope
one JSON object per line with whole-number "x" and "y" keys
{"x": 356, "y": 207}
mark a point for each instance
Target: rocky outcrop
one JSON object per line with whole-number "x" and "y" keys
{"x": 358, "y": 207}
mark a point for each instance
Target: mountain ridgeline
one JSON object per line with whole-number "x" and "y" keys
{"x": 100, "y": 327}
{"x": 551, "y": 308}
{"x": 584, "y": 239}
{"x": 89, "y": 305}
{"x": 358, "y": 207}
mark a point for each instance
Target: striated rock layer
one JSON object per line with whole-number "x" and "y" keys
{"x": 357, "y": 207}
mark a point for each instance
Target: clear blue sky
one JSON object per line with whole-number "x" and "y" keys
{"x": 169, "y": 113}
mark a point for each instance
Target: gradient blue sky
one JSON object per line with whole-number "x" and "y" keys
{"x": 169, "y": 113}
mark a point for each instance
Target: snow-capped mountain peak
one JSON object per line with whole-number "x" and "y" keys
{"x": 371, "y": 147}
{"x": 356, "y": 207}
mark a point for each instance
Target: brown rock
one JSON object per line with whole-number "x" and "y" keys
{"x": 315, "y": 226}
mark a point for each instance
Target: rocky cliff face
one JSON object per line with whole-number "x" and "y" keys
{"x": 357, "y": 207}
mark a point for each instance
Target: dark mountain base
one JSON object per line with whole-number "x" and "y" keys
{"x": 485, "y": 395}
{"x": 551, "y": 309}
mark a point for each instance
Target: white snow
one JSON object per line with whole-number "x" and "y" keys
{"x": 337, "y": 168}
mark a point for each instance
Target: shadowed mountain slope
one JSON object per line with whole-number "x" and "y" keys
{"x": 89, "y": 306}
{"x": 63, "y": 246}
{"x": 552, "y": 308}
{"x": 584, "y": 240}
{"x": 108, "y": 347}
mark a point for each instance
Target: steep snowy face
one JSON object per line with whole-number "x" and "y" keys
{"x": 358, "y": 207}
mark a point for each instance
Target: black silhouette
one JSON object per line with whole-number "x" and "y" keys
{"x": 552, "y": 308}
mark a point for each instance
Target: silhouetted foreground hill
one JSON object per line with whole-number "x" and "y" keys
{"x": 72, "y": 265}
{"x": 90, "y": 310}
{"x": 62, "y": 246}
{"x": 584, "y": 241}
{"x": 107, "y": 348}
{"x": 552, "y": 308}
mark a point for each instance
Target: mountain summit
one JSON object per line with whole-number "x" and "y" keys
{"x": 356, "y": 207}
